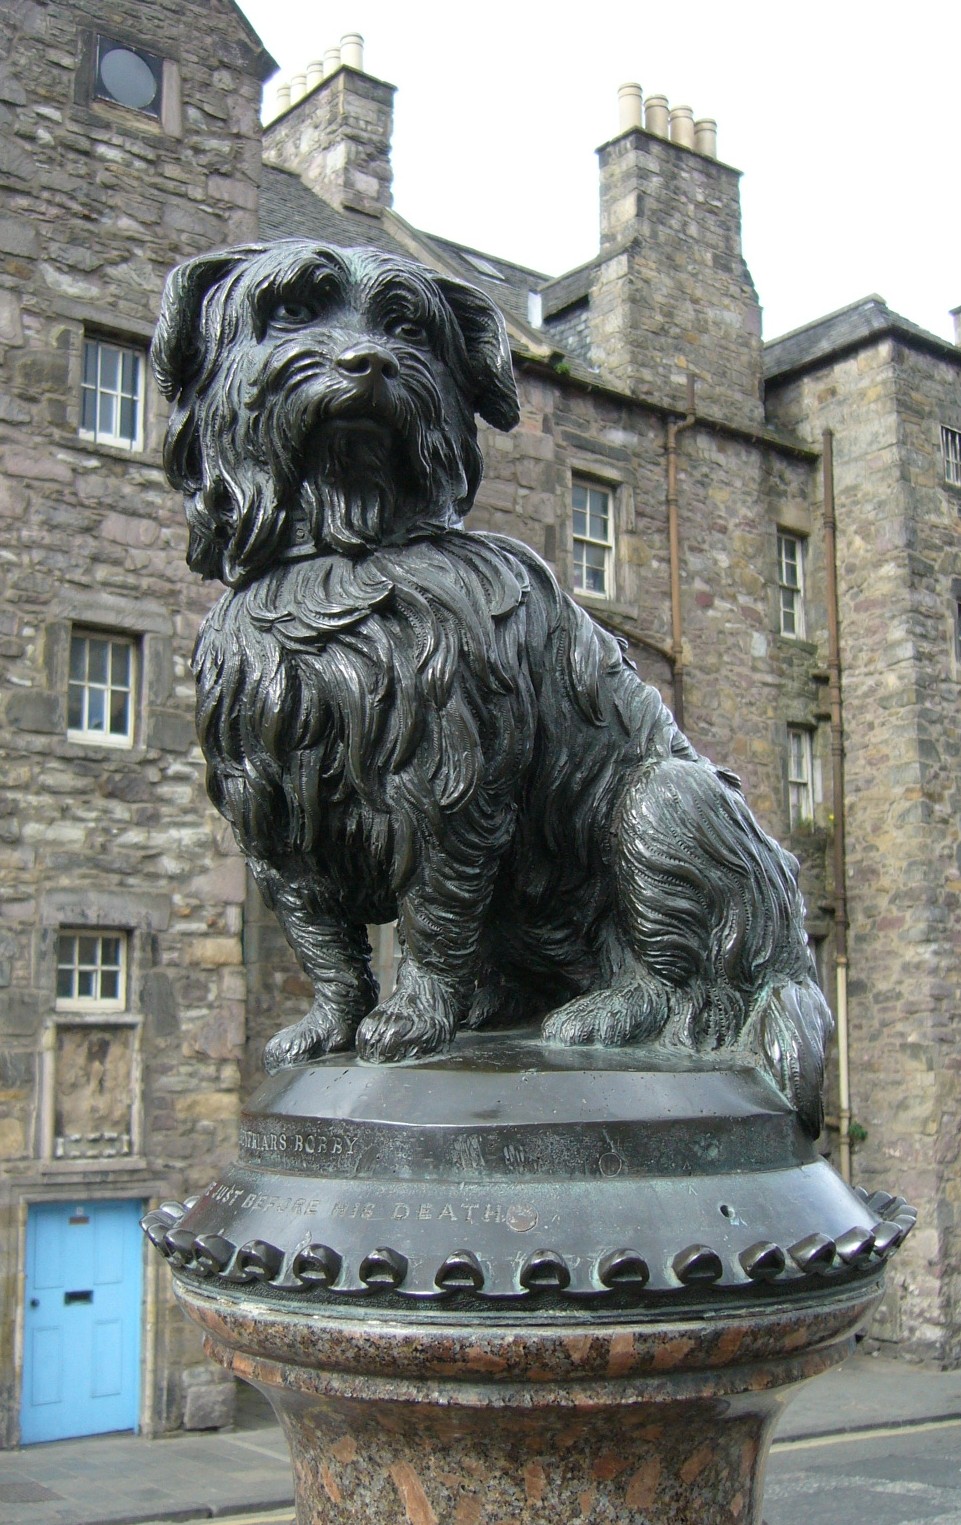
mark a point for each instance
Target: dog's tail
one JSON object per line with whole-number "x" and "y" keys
{"x": 786, "y": 1034}
{"x": 712, "y": 909}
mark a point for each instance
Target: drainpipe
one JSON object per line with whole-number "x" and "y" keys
{"x": 837, "y": 774}
{"x": 672, "y": 429}
{"x": 151, "y": 1333}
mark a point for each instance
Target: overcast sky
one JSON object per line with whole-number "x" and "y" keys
{"x": 843, "y": 118}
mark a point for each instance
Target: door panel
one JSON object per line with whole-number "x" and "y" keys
{"x": 46, "y": 1367}
{"x": 107, "y": 1359}
{"x": 82, "y": 1319}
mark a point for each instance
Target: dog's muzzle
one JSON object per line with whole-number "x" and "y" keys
{"x": 370, "y": 370}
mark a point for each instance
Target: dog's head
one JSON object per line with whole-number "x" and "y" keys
{"x": 324, "y": 399}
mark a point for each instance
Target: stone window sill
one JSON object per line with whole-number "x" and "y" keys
{"x": 135, "y": 1164}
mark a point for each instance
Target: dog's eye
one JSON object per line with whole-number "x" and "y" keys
{"x": 290, "y": 314}
{"x": 406, "y": 328}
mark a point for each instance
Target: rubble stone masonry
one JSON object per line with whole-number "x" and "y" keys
{"x": 98, "y": 202}
{"x": 899, "y": 564}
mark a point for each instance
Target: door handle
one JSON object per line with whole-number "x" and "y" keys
{"x": 78, "y": 1297}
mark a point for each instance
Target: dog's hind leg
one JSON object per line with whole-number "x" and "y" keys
{"x": 335, "y": 955}
{"x": 628, "y": 1011}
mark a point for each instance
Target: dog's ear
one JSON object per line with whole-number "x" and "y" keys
{"x": 179, "y": 341}
{"x": 488, "y": 352}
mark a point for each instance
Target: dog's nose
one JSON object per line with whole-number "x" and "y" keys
{"x": 368, "y": 360}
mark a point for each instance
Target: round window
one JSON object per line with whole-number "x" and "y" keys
{"x": 128, "y": 79}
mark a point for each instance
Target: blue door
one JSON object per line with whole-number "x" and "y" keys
{"x": 81, "y": 1366}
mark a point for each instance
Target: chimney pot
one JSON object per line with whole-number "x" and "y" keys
{"x": 682, "y": 126}
{"x": 283, "y": 97}
{"x": 315, "y": 73}
{"x": 352, "y": 51}
{"x": 705, "y": 137}
{"x": 331, "y": 61}
{"x": 656, "y": 115}
{"x": 630, "y": 107}
{"x": 298, "y": 88}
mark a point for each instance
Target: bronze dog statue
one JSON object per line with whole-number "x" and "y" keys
{"x": 406, "y": 720}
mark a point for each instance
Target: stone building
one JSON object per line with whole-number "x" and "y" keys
{"x": 122, "y": 149}
{"x": 712, "y": 500}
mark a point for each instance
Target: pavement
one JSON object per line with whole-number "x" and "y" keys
{"x": 244, "y": 1473}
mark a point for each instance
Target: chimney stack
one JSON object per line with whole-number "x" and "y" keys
{"x": 672, "y": 292}
{"x": 336, "y": 133}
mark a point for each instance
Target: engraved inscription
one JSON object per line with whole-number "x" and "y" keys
{"x": 467, "y": 1153}
{"x": 519, "y": 1217}
{"x": 312, "y": 1143}
{"x": 363, "y": 1210}
{"x": 218, "y": 1192}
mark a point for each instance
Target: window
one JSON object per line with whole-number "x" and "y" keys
{"x": 593, "y": 539}
{"x": 91, "y": 971}
{"x": 100, "y": 689}
{"x": 790, "y": 578}
{"x": 128, "y": 76}
{"x": 481, "y": 265}
{"x": 800, "y": 776}
{"x": 111, "y": 405}
{"x": 951, "y": 454}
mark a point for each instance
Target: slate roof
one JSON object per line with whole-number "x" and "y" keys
{"x": 567, "y": 289}
{"x": 516, "y": 282}
{"x": 288, "y": 209}
{"x": 848, "y": 329}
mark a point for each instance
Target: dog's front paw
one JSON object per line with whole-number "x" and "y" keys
{"x": 419, "y": 1019}
{"x": 610, "y": 1017}
{"x": 322, "y": 1031}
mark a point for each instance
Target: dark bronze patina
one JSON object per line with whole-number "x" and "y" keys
{"x": 509, "y": 1274}
{"x": 406, "y": 720}
{"x": 506, "y": 1172}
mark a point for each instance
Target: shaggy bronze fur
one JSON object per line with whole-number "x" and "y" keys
{"x": 404, "y": 719}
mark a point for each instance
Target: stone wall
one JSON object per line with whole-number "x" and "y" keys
{"x": 98, "y": 202}
{"x": 899, "y": 564}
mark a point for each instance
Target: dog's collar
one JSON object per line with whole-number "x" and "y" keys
{"x": 301, "y": 546}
